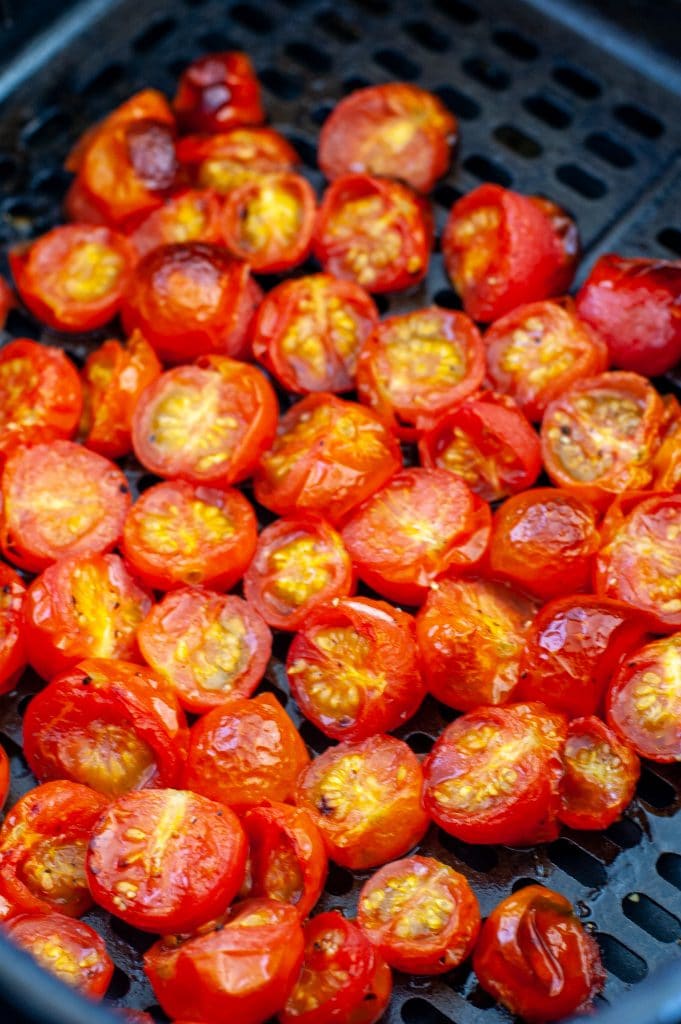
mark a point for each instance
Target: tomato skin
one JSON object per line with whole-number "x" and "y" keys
{"x": 70, "y": 949}
{"x": 7, "y": 301}
{"x": 229, "y": 159}
{"x": 535, "y": 957}
{"x": 13, "y": 652}
{"x": 190, "y": 215}
{"x": 667, "y": 460}
{"x": 218, "y": 91}
{"x": 242, "y": 971}
{"x": 600, "y": 773}
{"x": 356, "y": 644}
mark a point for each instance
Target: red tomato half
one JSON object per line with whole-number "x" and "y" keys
{"x": 269, "y": 222}
{"x": 192, "y": 215}
{"x": 599, "y": 775}
{"x": 13, "y": 653}
{"x": 71, "y": 950}
{"x": 667, "y": 460}
{"x": 235, "y": 157}
{"x": 218, "y": 91}
{"x": 7, "y": 301}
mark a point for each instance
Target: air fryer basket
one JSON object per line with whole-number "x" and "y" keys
{"x": 552, "y": 99}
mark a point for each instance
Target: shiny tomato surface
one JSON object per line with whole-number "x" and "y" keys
{"x": 218, "y": 91}
{"x": 71, "y": 950}
{"x": 234, "y": 157}
{"x": 190, "y": 215}
{"x": 13, "y": 651}
{"x": 600, "y": 773}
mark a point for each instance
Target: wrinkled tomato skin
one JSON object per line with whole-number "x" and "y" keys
{"x": 600, "y": 773}
{"x": 535, "y": 957}
{"x": 190, "y": 215}
{"x": 70, "y": 949}
{"x": 232, "y": 158}
{"x": 13, "y": 649}
{"x": 217, "y": 92}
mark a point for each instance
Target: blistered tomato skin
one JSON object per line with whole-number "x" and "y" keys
{"x": 600, "y": 773}
{"x": 71, "y": 950}
{"x": 13, "y": 651}
{"x": 217, "y": 92}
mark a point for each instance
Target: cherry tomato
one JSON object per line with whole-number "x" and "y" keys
{"x": 191, "y": 215}
{"x": 208, "y": 423}
{"x": 599, "y": 775}
{"x": 502, "y": 249}
{"x": 7, "y": 301}
{"x": 537, "y": 350}
{"x": 394, "y": 131}
{"x": 421, "y": 524}
{"x": 420, "y": 914}
{"x": 5, "y": 776}
{"x": 71, "y": 950}
{"x": 178, "y": 534}
{"x": 207, "y": 647}
{"x": 59, "y": 500}
{"x": 288, "y": 859}
{"x": 245, "y": 752}
{"x": 535, "y": 957}
{"x": 599, "y": 437}
{"x": 633, "y": 304}
{"x": 235, "y": 157}
{"x": 667, "y": 460}
{"x": 365, "y": 799}
{"x": 43, "y": 841}
{"x": 354, "y": 668}
{"x": 328, "y": 455}
{"x": 13, "y": 652}
{"x": 344, "y": 978}
{"x": 299, "y": 564}
{"x": 108, "y": 724}
{"x": 493, "y": 775}
{"x": 544, "y": 540}
{"x": 218, "y": 91}
{"x": 375, "y": 232}
{"x": 269, "y": 221}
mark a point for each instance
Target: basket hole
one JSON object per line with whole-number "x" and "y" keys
{"x": 314, "y": 737}
{"x": 334, "y": 25}
{"x": 354, "y": 82}
{"x": 448, "y": 299}
{"x": 581, "y": 181}
{"x": 9, "y": 171}
{"x": 459, "y": 103}
{"x": 306, "y": 149}
{"x": 253, "y": 18}
{"x": 146, "y": 481}
{"x": 23, "y": 702}
{"x": 375, "y": 6}
{"x": 620, "y": 960}
{"x": 548, "y": 111}
{"x": 339, "y": 881}
{"x": 651, "y": 917}
{"x": 47, "y": 129}
{"x": 487, "y": 170}
{"x": 640, "y": 121}
{"x": 213, "y": 42}
{"x": 480, "y": 858}
{"x": 119, "y": 985}
{"x": 419, "y": 1011}
{"x": 670, "y": 238}
{"x": 105, "y": 79}
{"x": 310, "y": 57}
{"x": 420, "y": 742}
{"x": 655, "y": 791}
{"x": 267, "y": 687}
{"x": 427, "y": 35}
{"x": 397, "y": 64}
{"x": 320, "y": 113}
{"x": 459, "y": 11}
{"x": 281, "y": 84}
{"x": 446, "y": 195}
{"x": 614, "y": 153}
{"x": 578, "y": 82}
{"x": 382, "y": 303}
{"x": 519, "y": 142}
{"x": 488, "y": 74}
{"x": 53, "y": 182}
{"x": 625, "y": 833}
{"x": 516, "y": 45}
{"x": 575, "y": 861}
{"x": 148, "y": 39}
{"x": 669, "y": 867}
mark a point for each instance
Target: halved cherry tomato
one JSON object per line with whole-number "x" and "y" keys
{"x": 86, "y": 607}
{"x": 192, "y": 215}
{"x": 287, "y": 859}
{"x": 74, "y": 277}
{"x": 208, "y": 647}
{"x": 243, "y": 970}
{"x": 421, "y": 524}
{"x": 365, "y": 798}
{"x": 633, "y": 304}
{"x": 535, "y": 957}
{"x": 418, "y": 365}
{"x": 420, "y": 914}
{"x": 40, "y": 395}
{"x": 375, "y": 232}
{"x": 70, "y": 949}
{"x": 190, "y": 300}
{"x": 235, "y": 157}
{"x": 108, "y": 724}
{"x": 395, "y": 130}
{"x": 7, "y": 301}
{"x": 600, "y": 773}
{"x": 13, "y": 652}
{"x": 471, "y": 635}
{"x": 539, "y": 349}
{"x": 354, "y": 668}
{"x": 308, "y": 332}
{"x": 502, "y": 249}
{"x": 488, "y": 442}
{"x": 5, "y": 776}
{"x": 493, "y": 775}
{"x": 58, "y": 500}
{"x": 43, "y": 841}
{"x": 599, "y": 437}
{"x": 245, "y": 752}
{"x": 544, "y": 540}
{"x": 218, "y": 91}
{"x": 299, "y": 564}
{"x": 208, "y": 423}
{"x": 343, "y": 978}
{"x": 177, "y": 534}
{"x": 667, "y": 460}
{"x": 269, "y": 222}
{"x": 643, "y": 703}
{"x": 327, "y": 457}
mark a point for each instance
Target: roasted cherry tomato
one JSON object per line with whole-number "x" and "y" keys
{"x": 343, "y": 978}
{"x": 269, "y": 221}
{"x": 502, "y": 249}
{"x": 245, "y": 752}
{"x": 7, "y": 301}
{"x": 366, "y": 800}
{"x": 535, "y": 957}
{"x": 421, "y": 524}
{"x": 328, "y": 455}
{"x": 243, "y": 970}
{"x": 633, "y": 304}
{"x": 177, "y": 534}
{"x": 493, "y": 775}
{"x": 539, "y": 349}
{"x": 354, "y": 668}
{"x": 208, "y": 423}
{"x": 600, "y": 773}
{"x": 108, "y": 724}
{"x": 471, "y": 635}
{"x": 208, "y": 647}
{"x": 235, "y": 157}
{"x": 218, "y": 91}
{"x": 416, "y": 366}
{"x": 58, "y": 500}
{"x": 190, "y": 300}
{"x": 299, "y": 564}
{"x": 40, "y": 395}
{"x": 544, "y": 540}
{"x": 667, "y": 460}
{"x": 394, "y": 131}
{"x": 192, "y": 215}
{"x": 87, "y": 607}
{"x": 70, "y": 949}
{"x": 13, "y": 651}
{"x": 599, "y": 437}
{"x": 375, "y": 232}
{"x": 43, "y": 841}
{"x": 5, "y": 775}
{"x": 74, "y": 277}
{"x": 420, "y": 914}
{"x": 287, "y": 860}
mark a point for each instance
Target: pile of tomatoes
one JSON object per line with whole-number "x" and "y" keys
{"x": 545, "y": 611}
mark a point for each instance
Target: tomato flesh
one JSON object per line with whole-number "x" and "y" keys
{"x": 269, "y": 222}
{"x": 600, "y": 773}
{"x": 232, "y": 158}
{"x": 71, "y": 950}
{"x": 192, "y": 215}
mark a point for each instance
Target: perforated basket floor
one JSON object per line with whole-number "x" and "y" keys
{"x": 541, "y": 109}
